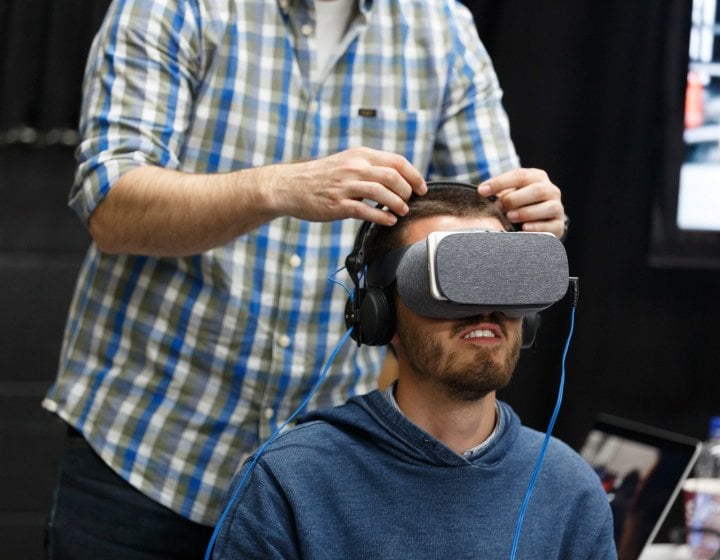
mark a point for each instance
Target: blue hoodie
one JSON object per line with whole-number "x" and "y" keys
{"x": 362, "y": 481}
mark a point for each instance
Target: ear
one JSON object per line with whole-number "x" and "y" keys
{"x": 394, "y": 341}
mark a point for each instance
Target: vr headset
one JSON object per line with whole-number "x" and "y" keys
{"x": 458, "y": 274}
{"x": 461, "y": 273}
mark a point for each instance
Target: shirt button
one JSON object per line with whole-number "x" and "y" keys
{"x": 268, "y": 413}
{"x": 295, "y": 261}
{"x": 306, "y": 29}
{"x": 50, "y": 405}
{"x": 284, "y": 341}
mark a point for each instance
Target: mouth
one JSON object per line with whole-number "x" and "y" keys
{"x": 485, "y": 332}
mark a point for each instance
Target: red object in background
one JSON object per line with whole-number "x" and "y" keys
{"x": 694, "y": 114}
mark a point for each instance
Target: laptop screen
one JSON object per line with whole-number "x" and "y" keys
{"x": 642, "y": 469}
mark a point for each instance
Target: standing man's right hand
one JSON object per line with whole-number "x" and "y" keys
{"x": 335, "y": 187}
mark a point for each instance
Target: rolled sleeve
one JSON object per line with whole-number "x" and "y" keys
{"x": 138, "y": 95}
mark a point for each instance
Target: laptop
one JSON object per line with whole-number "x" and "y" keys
{"x": 642, "y": 469}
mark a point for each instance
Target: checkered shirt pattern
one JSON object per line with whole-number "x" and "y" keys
{"x": 175, "y": 368}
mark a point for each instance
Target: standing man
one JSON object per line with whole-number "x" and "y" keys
{"x": 225, "y": 144}
{"x": 434, "y": 466}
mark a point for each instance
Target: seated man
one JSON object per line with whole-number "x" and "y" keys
{"x": 433, "y": 467}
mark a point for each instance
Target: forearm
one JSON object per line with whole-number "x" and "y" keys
{"x": 156, "y": 211}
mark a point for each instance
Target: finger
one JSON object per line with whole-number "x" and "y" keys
{"x": 549, "y": 210}
{"x": 529, "y": 195}
{"x": 406, "y": 170}
{"x": 498, "y": 199}
{"x": 384, "y": 185}
{"x": 513, "y": 179}
{"x": 368, "y": 213}
{"x": 382, "y": 194}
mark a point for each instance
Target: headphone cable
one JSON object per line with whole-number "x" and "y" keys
{"x": 575, "y": 287}
{"x": 261, "y": 450}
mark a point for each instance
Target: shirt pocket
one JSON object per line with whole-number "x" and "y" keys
{"x": 408, "y": 133}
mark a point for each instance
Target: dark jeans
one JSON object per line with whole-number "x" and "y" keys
{"x": 96, "y": 514}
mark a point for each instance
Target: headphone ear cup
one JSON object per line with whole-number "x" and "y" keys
{"x": 530, "y": 326}
{"x": 377, "y": 317}
{"x": 372, "y": 317}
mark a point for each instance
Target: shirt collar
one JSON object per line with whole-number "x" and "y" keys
{"x": 284, "y": 5}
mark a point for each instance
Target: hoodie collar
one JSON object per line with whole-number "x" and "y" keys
{"x": 389, "y": 394}
{"x": 374, "y": 417}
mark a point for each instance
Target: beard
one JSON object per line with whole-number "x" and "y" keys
{"x": 465, "y": 377}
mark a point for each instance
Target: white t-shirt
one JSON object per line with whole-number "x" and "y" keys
{"x": 331, "y": 20}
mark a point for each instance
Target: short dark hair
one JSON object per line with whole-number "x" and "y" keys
{"x": 444, "y": 199}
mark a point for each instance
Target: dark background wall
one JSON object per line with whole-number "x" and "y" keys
{"x": 584, "y": 89}
{"x": 582, "y": 83}
{"x": 43, "y": 44}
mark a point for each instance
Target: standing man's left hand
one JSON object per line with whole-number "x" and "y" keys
{"x": 528, "y": 197}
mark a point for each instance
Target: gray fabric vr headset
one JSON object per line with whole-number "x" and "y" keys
{"x": 461, "y": 273}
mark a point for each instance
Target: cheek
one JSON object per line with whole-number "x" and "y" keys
{"x": 514, "y": 328}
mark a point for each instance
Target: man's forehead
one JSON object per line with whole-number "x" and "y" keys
{"x": 422, "y": 227}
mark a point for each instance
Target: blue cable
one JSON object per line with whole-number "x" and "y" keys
{"x": 543, "y": 448}
{"x": 261, "y": 450}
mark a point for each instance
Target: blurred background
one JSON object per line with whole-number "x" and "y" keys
{"x": 595, "y": 92}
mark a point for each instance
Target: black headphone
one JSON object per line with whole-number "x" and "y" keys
{"x": 370, "y": 310}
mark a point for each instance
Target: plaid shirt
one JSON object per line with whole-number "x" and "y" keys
{"x": 174, "y": 368}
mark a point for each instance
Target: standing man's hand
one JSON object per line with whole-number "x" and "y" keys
{"x": 528, "y": 197}
{"x": 338, "y": 186}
